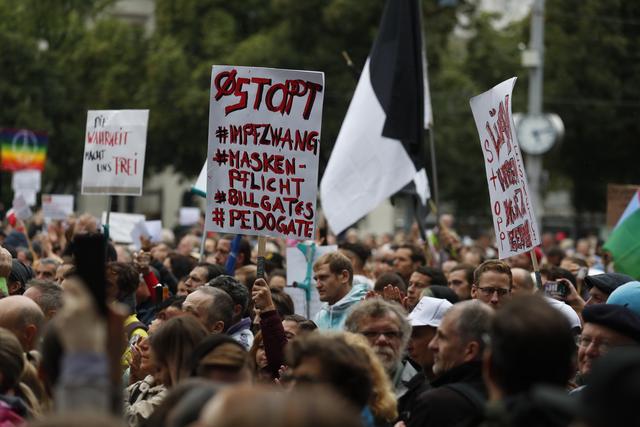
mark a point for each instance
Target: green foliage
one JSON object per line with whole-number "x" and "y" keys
{"x": 590, "y": 81}
{"x": 92, "y": 61}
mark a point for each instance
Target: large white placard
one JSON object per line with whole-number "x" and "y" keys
{"x": 121, "y": 225}
{"x": 26, "y": 179}
{"x": 264, "y": 143}
{"x": 513, "y": 219}
{"x": 188, "y": 216}
{"x": 57, "y": 206}
{"x": 114, "y": 151}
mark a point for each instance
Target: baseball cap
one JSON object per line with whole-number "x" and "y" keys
{"x": 429, "y": 312}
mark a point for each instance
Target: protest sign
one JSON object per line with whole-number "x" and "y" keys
{"x": 188, "y": 216}
{"x": 299, "y": 271}
{"x": 21, "y": 208}
{"x": 151, "y": 230}
{"x": 22, "y": 149}
{"x": 155, "y": 230}
{"x": 26, "y": 179}
{"x": 121, "y": 225}
{"x": 28, "y": 195}
{"x": 114, "y": 152}
{"x": 264, "y": 143}
{"x": 513, "y": 219}
{"x": 57, "y": 206}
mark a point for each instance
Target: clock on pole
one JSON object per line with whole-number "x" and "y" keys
{"x": 537, "y": 134}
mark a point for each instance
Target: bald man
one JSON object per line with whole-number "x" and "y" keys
{"x": 522, "y": 282}
{"x": 22, "y": 316}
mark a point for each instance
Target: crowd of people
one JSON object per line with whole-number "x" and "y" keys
{"x": 411, "y": 332}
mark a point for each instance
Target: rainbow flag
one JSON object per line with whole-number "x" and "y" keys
{"x": 22, "y": 149}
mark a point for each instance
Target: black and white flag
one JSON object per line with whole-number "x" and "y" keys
{"x": 380, "y": 146}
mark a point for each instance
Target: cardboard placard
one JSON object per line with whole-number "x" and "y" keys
{"x": 264, "y": 144}
{"x": 114, "y": 152}
{"x": 121, "y": 225}
{"x": 514, "y": 221}
{"x": 57, "y": 206}
{"x": 189, "y": 216}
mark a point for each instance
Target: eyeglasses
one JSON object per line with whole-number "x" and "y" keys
{"x": 373, "y": 335}
{"x": 489, "y": 291}
{"x": 601, "y": 346}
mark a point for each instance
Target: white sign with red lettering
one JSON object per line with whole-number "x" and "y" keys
{"x": 115, "y": 144}
{"x": 513, "y": 218}
{"x": 264, "y": 145}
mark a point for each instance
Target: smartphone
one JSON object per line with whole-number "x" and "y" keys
{"x": 557, "y": 290}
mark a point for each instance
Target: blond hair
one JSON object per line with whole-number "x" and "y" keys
{"x": 383, "y": 402}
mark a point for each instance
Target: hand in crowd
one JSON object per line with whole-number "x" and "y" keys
{"x": 135, "y": 373}
{"x": 261, "y": 296}
{"x": 145, "y": 243}
{"x": 389, "y": 293}
{"x": 572, "y": 298}
{"x": 142, "y": 260}
{"x": 393, "y": 293}
{"x": 284, "y": 378}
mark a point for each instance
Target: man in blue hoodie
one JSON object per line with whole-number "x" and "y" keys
{"x": 333, "y": 274}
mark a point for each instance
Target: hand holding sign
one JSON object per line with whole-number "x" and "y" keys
{"x": 261, "y": 296}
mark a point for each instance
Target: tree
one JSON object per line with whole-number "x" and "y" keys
{"x": 591, "y": 65}
{"x": 60, "y": 58}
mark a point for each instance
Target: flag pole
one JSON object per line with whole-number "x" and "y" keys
{"x": 432, "y": 145}
{"x": 434, "y": 171}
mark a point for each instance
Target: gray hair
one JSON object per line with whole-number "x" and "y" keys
{"x": 378, "y": 308}
{"x": 220, "y": 309}
{"x": 50, "y": 294}
{"x": 49, "y": 261}
{"x": 474, "y": 321}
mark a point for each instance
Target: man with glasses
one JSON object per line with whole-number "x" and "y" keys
{"x": 492, "y": 282}
{"x": 605, "y": 326}
{"x": 384, "y": 324}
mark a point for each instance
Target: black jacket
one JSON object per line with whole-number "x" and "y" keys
{"x": 457, "y": 397}
{"x": 416, "y": 386}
